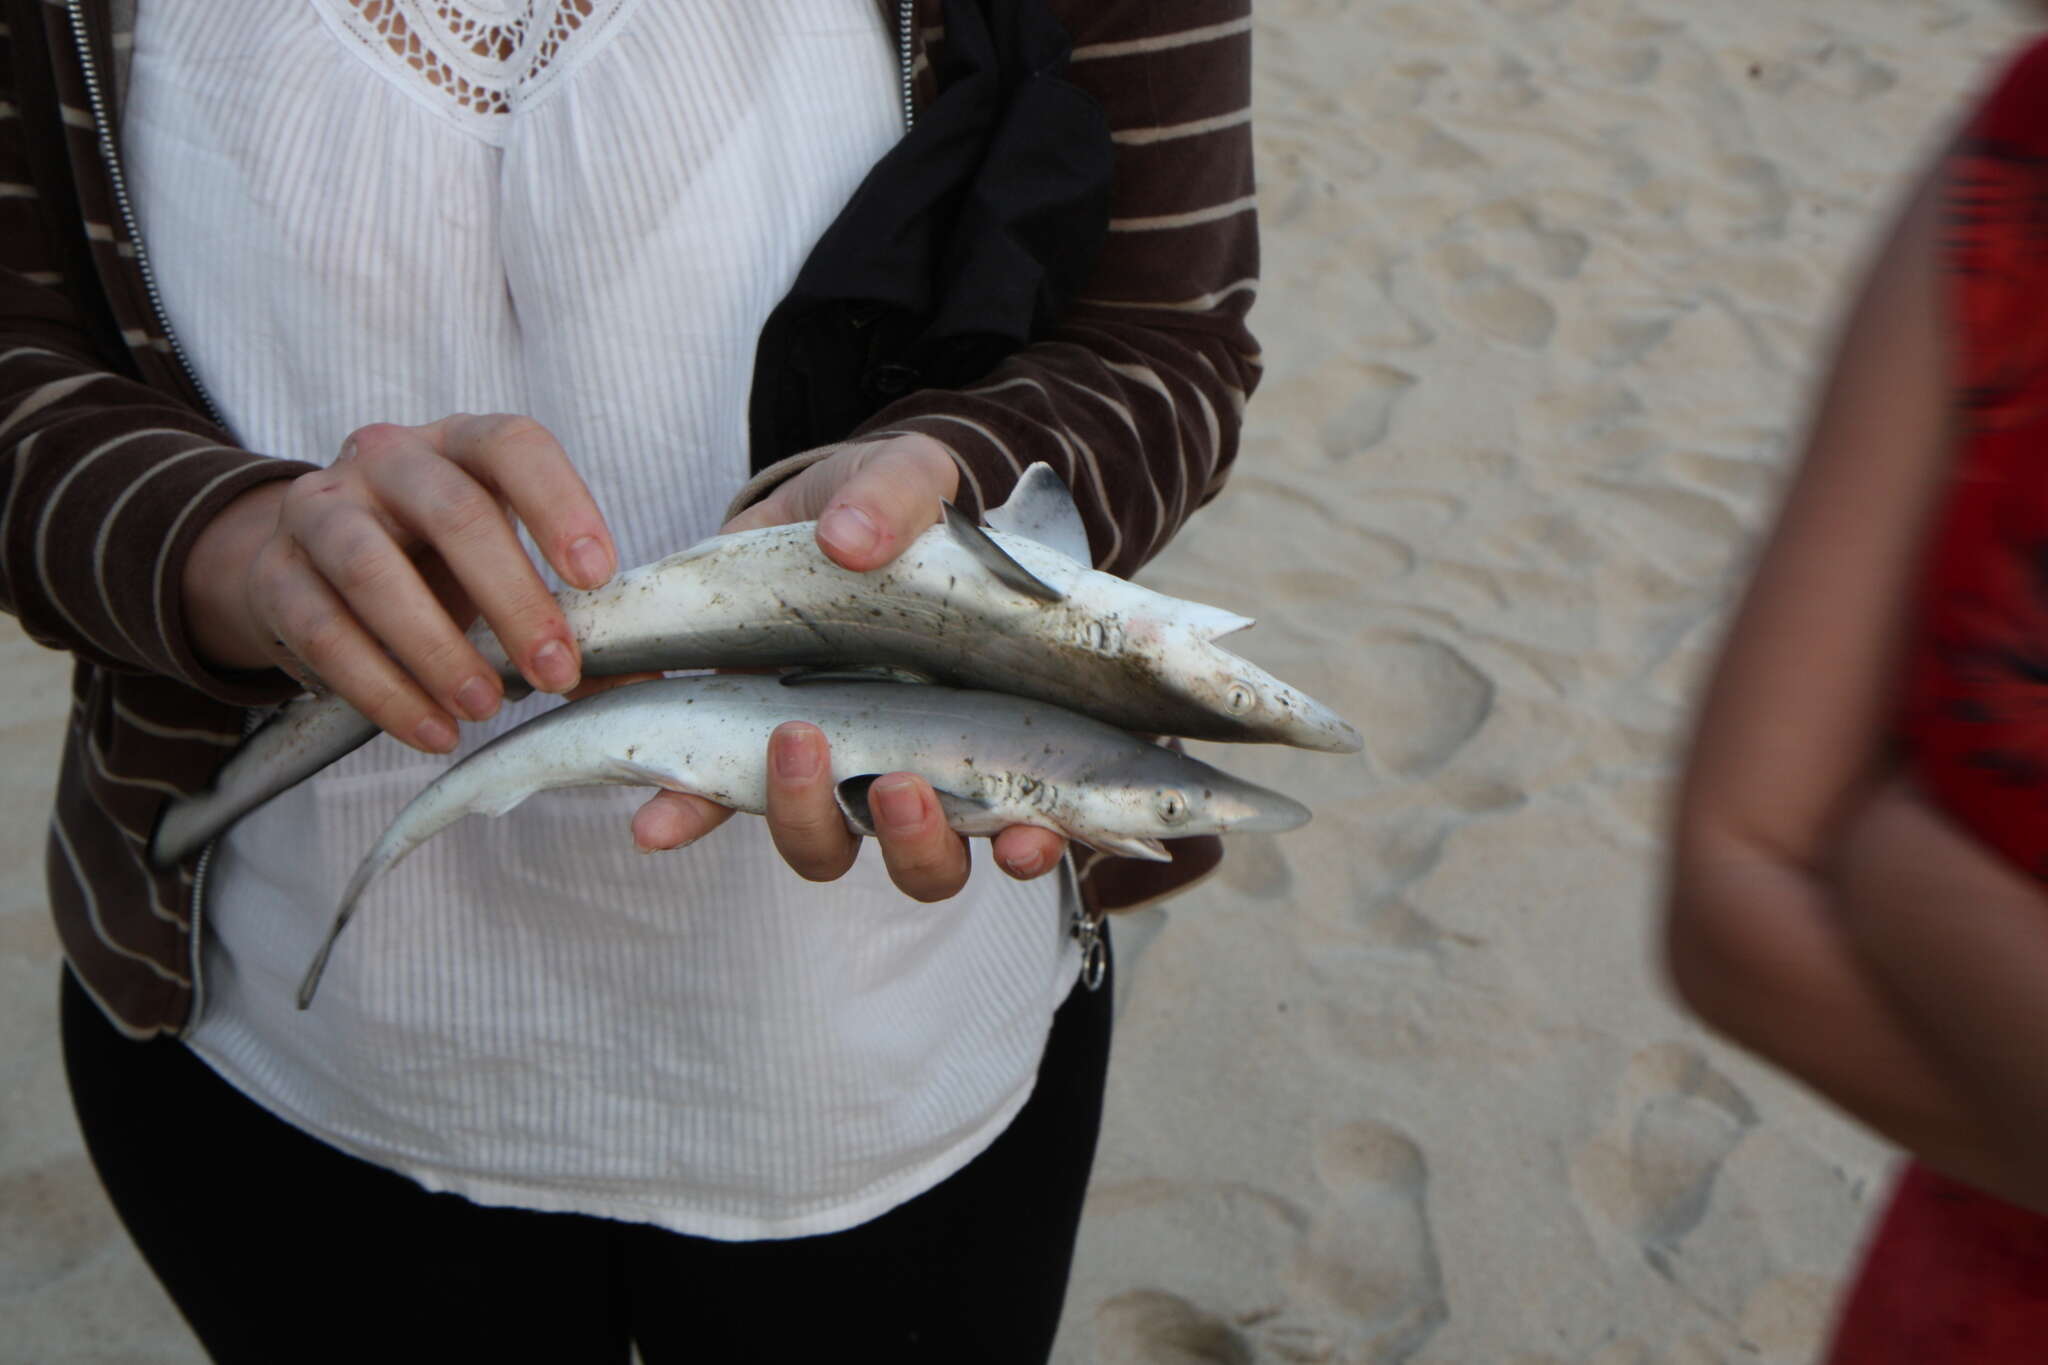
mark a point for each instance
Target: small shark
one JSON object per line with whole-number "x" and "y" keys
{"x": 994, "y": 761}
{"x": 1014, "y": 608}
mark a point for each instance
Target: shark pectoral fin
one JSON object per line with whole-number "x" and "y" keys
{"x": 1124, "y": 846}
{"x": 852, "y": 793}
{"x": 1040, "y": 508}
{"x": 856, "y": 673}
{"x": 996, "y": 559}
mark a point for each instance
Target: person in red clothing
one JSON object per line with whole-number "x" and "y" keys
{"x": 1862, "y": 836}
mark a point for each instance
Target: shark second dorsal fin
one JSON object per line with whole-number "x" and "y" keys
{"x": 1041, "y": 509}
{"x": 995, "y": 559}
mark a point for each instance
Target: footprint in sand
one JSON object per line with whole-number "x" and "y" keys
{"x": 1430, "y": 148}
{"x": 1363, "y": 421}
{"x": 1845, "y": 69}
{"x": 1369, "y": 1257}
{"x": 1427, "y": 701}
{"x": 1490, "y": 300}
{"x": 1257, "y": 868}
{"x": 1152, "y": 1327}
{"x": 57, "y": 1221}
{"x": 1651, "y": 1171}
{"x": 1517, "y": 234}
{"x": 1528, "y": 9}
{"x": 1617, "y": 63}
{"x": 1513, "y": 87}
{"x": 1747, "y": 199}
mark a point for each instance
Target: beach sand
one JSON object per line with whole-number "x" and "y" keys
{"x": 1546, "y": 284}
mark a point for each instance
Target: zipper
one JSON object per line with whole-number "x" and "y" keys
{"x": 110, "y": 157}
{"x": 906, "y": 32}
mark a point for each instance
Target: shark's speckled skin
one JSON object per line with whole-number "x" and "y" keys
{"x": 994, "y": 760}
{"x": 998, "y": 609}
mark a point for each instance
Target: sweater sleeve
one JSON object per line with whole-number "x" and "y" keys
{"x": 1137, "y": 396}
{"x": 108, "y": 481}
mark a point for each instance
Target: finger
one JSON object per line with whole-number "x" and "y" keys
{"x": 435, "y": 499}
{"x": 926, "y": 860}
{"x": 673, "y": 819}
{"x": 803, "y": 818}
{"x": 521, "y": 461}
{"x": 385, "y": 593}
{"x": 892, "y": 494}
{"x": 1026, "y": 851}
{"x": 313, "y": 628}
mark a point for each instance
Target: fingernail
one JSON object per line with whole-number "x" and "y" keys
{"x": 849, "y": 531}
{"x": 796, "y": 754}
{"x": 897, "y": 802}
{"x": 434, "y": 735}
{"x": 592, "y": 565}
{"x": 1027, "y": 864}
{"x": 554, "y": 668}
{"x": 477, "y": 698}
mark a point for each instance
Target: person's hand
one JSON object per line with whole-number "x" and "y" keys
{"x": 362, "y": 576}
{"x": 870, "y": 501}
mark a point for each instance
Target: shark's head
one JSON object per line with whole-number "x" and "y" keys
{"x": 1161, "y": 794}
{"x": 1245, "y": 702}
{"x": 1168, "y": 643}
{"x": 1265, "y": 708}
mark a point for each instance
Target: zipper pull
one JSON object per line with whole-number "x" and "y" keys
{"x": 1084, "y": 926}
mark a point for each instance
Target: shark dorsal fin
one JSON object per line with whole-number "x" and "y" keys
{"x": 996, "y": 559}
{"x": 1041, "y": 509}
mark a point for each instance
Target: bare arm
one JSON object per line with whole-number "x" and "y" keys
{"x": 1791, "y": 739}
{"x": 1958, "y": 938}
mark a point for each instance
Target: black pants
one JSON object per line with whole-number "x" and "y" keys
{"x": 277, "y": 1247}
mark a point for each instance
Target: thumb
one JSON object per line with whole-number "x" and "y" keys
{"x": 888, "y": 499}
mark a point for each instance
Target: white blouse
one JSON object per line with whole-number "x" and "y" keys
{"x": 581, "y": 210}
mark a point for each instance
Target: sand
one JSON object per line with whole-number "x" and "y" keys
{"x": 1546, "y": 284}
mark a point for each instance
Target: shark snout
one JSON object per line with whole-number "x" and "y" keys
{"x": 1244, "y": 808}
{"x": 1312, "y": 725}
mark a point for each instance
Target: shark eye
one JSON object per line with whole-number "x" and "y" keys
{"x": 1098, "y": 636}
{"x": 1240, "y": 698}
{"x": 1171, "y": 806}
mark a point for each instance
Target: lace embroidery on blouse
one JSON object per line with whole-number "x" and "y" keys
{"x": 477, "y": 61}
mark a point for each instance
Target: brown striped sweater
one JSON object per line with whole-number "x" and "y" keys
{"x": 113, "y": 461}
